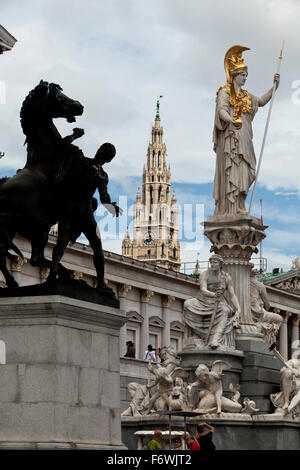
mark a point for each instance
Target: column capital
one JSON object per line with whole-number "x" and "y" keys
{"x": 146, "y": 295}
{"x": 95, "y": 282}
{"x": 123, "y": 290}
{"x": 17, "y": 263}
{"x": 167, "y": 300}
{"x": 296, "y": 320}
{"x": 44, "y": 272}
{"x": 286, "y": 316}
{"x": 76, "y": 275}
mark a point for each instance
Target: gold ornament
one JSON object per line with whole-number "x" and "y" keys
{"x": 241, "y": 102}
{"x": 233, "y": 61}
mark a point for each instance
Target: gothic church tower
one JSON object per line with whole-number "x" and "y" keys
{"x": 155, "y": 224}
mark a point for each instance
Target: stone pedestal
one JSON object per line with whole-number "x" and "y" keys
{"x": 260, "y": 375}
{"x": 60, "y": 386}
{"x": 232, "y": 432}
{"x": 235, "y": 238}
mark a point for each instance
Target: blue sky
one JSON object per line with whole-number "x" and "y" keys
{"x": 117, "y": 57}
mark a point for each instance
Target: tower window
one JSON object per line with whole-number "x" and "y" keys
{"x": 153, "y": 159}
{"x": 159, "y": 159}
{"x": 159, "y": 193}
{"x": 151, "y": 195}
{"x": 174, "y": 253}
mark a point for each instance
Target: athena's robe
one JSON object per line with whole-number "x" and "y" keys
{"x": 235, "y": 162}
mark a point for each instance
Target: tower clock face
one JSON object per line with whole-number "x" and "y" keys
{"x": 148, "y": 238}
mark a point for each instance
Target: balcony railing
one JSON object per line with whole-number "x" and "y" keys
{"x": 189, "y": 267}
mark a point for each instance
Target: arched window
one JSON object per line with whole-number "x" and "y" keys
{"x": 151, "y": 195}
{"x": 159, "y": 193}
{"x": 159, "y": 159}
{"x": 153, "y": 159}
{"x": 174, "y": 252}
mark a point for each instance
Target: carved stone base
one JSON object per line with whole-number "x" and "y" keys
{"x": 60, "y": 386}
{"x": 232, "y": 431}
{"x": 235, "y": 238}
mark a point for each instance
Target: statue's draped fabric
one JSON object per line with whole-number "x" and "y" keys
{"x": 198, "y": 313}
{"x": 235, "y": 162}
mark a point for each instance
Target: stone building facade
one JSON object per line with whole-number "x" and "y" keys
{"x": 152, "y": 298}
{"x": 7, "y": 41}
{"x": 155, "y": 219}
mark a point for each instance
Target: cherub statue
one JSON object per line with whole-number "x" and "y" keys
{"x": 164, "y": 382}
{"x": 165, "y": 374}
{"x": 140, "y": 399}
{"x": 177, "y": 400}
{"x": 211, "y": 397}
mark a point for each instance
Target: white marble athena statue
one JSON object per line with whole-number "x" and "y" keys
{"x": 232, "y": 136}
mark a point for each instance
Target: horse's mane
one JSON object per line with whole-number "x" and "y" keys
{"x": 25, "y": 113}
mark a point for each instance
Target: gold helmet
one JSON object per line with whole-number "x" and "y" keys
{"x": 233, "y": 61}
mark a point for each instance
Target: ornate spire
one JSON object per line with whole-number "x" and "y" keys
{"x": 197, "y": 267}
{"x": 155, "y": 216}
{"x": 173, "y": 197}
{"x": 127, "y": 236}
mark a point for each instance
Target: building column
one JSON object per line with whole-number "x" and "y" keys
{"x": 166, "y": 315}
{"x": 144, "y": 337}
{"x": 295, "y": 333}
{"x": 283, "y": 334}
{"x": 123, "y": 290}
{"x": 16, "y": 266}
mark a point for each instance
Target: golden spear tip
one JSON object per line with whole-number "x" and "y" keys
{"x": 280, "y": 57}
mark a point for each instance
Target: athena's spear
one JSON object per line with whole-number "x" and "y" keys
{"x": 265, "y": 133}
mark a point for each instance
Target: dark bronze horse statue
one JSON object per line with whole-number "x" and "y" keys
{"x": 28, "y": 202}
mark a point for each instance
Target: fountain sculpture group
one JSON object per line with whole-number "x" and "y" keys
{"x": 228, "y": 326}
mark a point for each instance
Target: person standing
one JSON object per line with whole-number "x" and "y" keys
{"x": 130, "y": 349}
{"x": 154, "y": 443}
{"x": 150, "y": 354}
{"x": 205, "y": 439}
{"x": 191, "y": 442}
